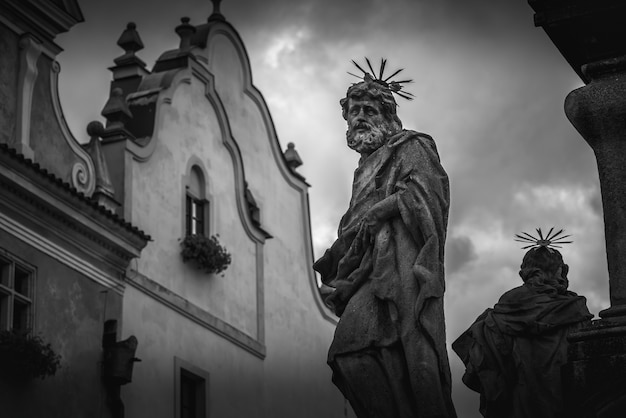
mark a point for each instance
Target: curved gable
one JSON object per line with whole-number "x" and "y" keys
{"x": 228, "y": 60}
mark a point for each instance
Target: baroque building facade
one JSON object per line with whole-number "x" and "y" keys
{"x": 95, "y": 230}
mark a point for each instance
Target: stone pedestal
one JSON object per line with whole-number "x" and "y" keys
{"x": 598, "y": 112}
{"x": 595, "y": 376}
{"x": 590, "y": 36}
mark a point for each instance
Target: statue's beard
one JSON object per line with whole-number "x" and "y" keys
{"x": 366, "y": 138}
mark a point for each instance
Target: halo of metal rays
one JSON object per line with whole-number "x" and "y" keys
{"x": 394, "y": 86}
{"x": 550, "y": 240}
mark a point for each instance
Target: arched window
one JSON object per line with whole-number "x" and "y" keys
{"x": 196, "y": 204}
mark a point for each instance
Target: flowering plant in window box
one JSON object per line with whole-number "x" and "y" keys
{"x": 206, "y": 252}
{"x": 24, "y": 356}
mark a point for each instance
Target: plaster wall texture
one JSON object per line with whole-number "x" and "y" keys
{"x": 31, "y": 119}
{"x": 235, "y": 376}
{"x": 283, "y": 210}
{"x": 292, "y": 379}
{"x": 46, "y": 136}
{"x": 248, "y": 128}
{"x": 297, "y": 336}
{"x": 69, "y": 314}
{"x": 188, "y": 133}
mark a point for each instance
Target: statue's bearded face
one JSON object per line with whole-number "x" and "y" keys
{"x": 367, "y": 127}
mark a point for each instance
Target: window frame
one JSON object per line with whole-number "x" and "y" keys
{"x": 199, "y": 218}
{"x": 196, "y": 191}
{"x": 9, "y": 266}
{"x": 184, "y": 370}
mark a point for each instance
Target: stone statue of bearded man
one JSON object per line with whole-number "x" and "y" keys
{"x": 389, "y": 355}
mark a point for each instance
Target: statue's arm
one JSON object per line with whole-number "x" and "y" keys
{"x": 382, "y": 211}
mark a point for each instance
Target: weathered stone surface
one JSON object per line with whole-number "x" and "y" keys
{"x": 584, "y": 31}
{"x": 594, "y": 378}
{"x": 389, "y": 355}
{"x": 598, "y": 112}
{"x": 595, "y": 374}
{"x": 513, "y": 353}
{"x": 589, "y": 35}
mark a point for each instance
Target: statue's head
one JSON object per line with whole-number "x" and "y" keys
{"x": 370, "y": 110}
{"x": 544, "y": 266}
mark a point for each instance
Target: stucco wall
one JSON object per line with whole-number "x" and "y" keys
{"x": 69, "y": 314}
{"x": 46, "y": 138}
{"x": 293, "y": 378}
{"x": 31, "y": 118}
{"x": 235, "y": 376}
{"x": 188, "y": 132}
{"x": 297, "y": 336}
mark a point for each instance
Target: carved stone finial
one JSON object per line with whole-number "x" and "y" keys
{"x": 104, "y": 193}
{"x": 216, "y": 5}
{"x": 291, "y": 155}
{"x": 116, "y": 110}
{"x": 216, "y": 15}
{"x": 95, "y": 128}
{"x": 130, "y": 42}
{"x": 185, "y": 31}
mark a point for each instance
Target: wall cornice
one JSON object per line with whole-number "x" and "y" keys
{"x": 196, "y": 314}
{"x": 43, "y": 17}
{"x": 49, "y": 209}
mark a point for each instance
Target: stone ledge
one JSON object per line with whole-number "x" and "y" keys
{"x": 196, "y": 313}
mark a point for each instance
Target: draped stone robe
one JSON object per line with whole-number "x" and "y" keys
{"x": 389, "y": 284}
{"x": 513, "y": 353}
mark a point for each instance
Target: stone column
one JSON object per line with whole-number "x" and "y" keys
{"x": 590, "y": 36}
{"x": 598, "y": 112}
{"x": 595, "y": 376}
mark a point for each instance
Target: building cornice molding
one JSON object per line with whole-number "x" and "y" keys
{"x": 34, "y": 48}
{"x": 44, "y": 205}
{"x": 44, "y": 17}
{"x": 195, "y": 313}
{"x": 61, "y": 254}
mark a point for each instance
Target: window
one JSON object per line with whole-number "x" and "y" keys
{"x": 195, "y": 215}
{"x": 192, "y": 386}
{"x": 15, "y": 295}
{"x": 191, "y": 395}
{"x": 196, "y": 204}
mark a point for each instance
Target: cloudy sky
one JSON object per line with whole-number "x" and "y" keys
{"x": 490, "y": 89}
